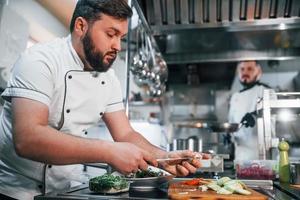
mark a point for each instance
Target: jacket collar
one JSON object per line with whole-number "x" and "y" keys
{"x": 251, "y": 85}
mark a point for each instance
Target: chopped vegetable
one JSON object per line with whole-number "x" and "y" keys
{"x": 223, "y": 180}
{"x": 107, "y": 182}
{"x": 242, "y": 191}
{"x": 234, "y": 183}
{"x": 203, "y": 188}
{"x": 224, "y": 185}
{"x": 214, "y": 186}
{"x": 223, "y": 191}
{"x": 148, "y": 173}
{"x": 196, "y": 181}
{"x": 192, "y": 182}
{"x": 229, "y": 186}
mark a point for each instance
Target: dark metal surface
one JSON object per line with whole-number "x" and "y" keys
{"x": 295, "y": 173}
{"x": 148, "y": 184}
{"x": 288, "y": 189}
{"x": 82, "y": 192}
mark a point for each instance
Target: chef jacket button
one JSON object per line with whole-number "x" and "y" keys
{"x": 40, "y": 186}
{"x": 85, "y": 132}
{"x": 70, "y": 76}
{"x": 49, "y": 166}
{"x": 101, "y": 113}
{"x": 102, "y": 82}
{"x": 68, "y": 110}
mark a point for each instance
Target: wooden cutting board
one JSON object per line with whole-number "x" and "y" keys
{"x": 184, "y": 192}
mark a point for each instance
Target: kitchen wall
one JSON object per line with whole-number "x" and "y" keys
{"x": 22, "y": 21}
{"x": 43, "y": 26}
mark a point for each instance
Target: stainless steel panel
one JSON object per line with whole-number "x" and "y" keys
{"x": 177, "y": 11}
{"x": 225, "y": 10}
{"x": 157, "y": 12}
{"x": 184, "y": 17}
{"x": 170, "y": 13}
{"x": 221, "y": 30}
{"x": 191, "y": 11}
{"x": 251, "y": 10}
{"x": 243, "y": 9}
{"x": 287, "y": 8}
{"x": 235, "y": 10}
{"x": 164, "y": 11}
{"x": 281, "y": 8}
{"x": 265, "y": 9}
{"x": 205, "y": 11}
{"x": 150, "y": 12}
{"x": 258, "y": 9}
{"x": 198, "y": 11}
{"x": 273, "y": 8}
{"x": 295, "y": 11}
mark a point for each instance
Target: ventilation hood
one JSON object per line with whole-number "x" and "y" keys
{"x": 195, "y": 31}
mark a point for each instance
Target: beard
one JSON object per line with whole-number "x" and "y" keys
{"x": 248, "y": 84}
{"x": 96, "y": 58}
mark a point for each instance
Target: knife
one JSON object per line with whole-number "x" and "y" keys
{"x": 174, "y": 161}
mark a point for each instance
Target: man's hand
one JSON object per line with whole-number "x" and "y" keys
{"x": 128, "y": 158}
{"x": 186, "y": 167}
{"x": 248, "y": 120}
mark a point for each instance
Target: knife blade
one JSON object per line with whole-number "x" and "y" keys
{"x": 174, "y": 161}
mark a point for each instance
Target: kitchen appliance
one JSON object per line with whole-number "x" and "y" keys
{"x": 195, "y": 31}
{"x": 211, "y": 137}
{"x": 278, "y": 117}
{"x": 295, "y": 173}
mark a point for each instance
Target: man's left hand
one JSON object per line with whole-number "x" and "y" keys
{"x": 248, "y": 120}
{"x": 185, "y": 167}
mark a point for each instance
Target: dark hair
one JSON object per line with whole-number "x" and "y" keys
{"x": 256, "y": 62}
{"x": 91, "y": 10}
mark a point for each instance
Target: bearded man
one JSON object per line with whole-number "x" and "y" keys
{"x": 57, "y": 91}
{"x": 243, "y": 108}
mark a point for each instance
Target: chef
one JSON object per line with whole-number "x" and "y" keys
{"x": 243, "y": 109}
{"x": 56, "y": 92}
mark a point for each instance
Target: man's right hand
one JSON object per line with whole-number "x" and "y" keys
{"x": 127, "y": 158}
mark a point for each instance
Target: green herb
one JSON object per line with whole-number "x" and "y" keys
{"x": 148, "y": 173}
{"x": 106, "y": 182}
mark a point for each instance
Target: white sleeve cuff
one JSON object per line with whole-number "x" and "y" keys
{"x": 25, "y": 93}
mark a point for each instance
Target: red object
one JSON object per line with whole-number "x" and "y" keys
{"x": 196, "y": 181}
{"x": 191, "y": 182}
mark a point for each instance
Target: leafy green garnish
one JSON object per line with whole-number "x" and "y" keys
{"x": 147, "y": 173}
{"x": 106, "y": 182}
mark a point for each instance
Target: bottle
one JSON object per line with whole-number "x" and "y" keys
{"x": 284, "y": 164}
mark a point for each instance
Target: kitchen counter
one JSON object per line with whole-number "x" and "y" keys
{"x": 290, "y": 190}
{"x": 278, "y": 192}
{"x": 83, "y": 192}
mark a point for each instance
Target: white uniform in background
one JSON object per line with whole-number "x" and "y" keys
{"x": 52, "y": 73}
{"x": 246, "y": 144}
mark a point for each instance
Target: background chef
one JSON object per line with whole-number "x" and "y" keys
{"x": 242, "y": 109}
{"x": 56, "y": 92}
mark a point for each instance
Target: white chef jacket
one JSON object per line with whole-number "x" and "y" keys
{"x": 245, "y": 139}
{"x": 52, "y": 73}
